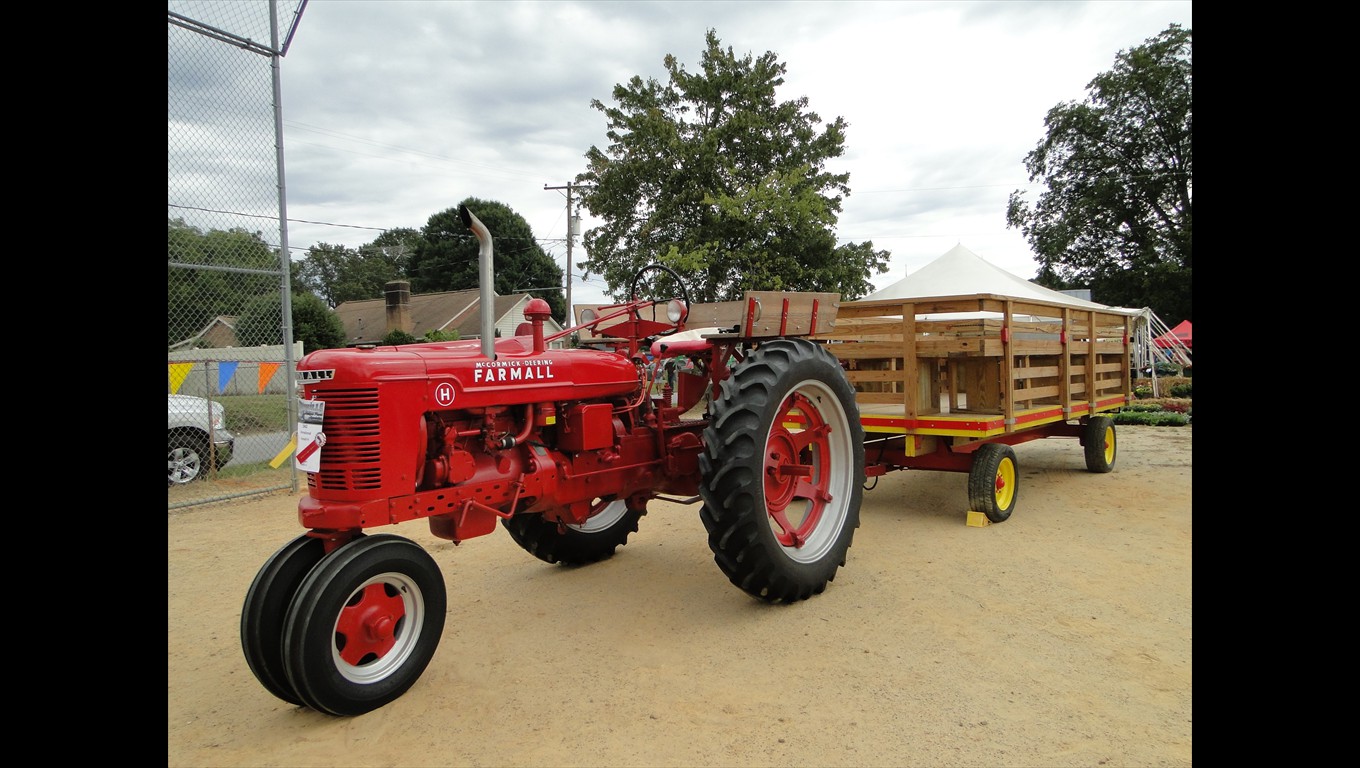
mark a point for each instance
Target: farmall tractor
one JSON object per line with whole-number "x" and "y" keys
{"x": 563, "y": 448}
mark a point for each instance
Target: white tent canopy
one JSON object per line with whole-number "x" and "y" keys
{"x": 960, "y": 272}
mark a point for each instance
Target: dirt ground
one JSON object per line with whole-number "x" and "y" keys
{"x": 1061, "y": 637}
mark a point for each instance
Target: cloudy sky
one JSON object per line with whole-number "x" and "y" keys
{"x": 394, "y": 111}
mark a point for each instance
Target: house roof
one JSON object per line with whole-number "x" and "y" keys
{"x": 219, "y": 332}
{"x": 366, "y": 321}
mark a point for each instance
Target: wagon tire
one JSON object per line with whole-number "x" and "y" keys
{"x": 266, "y": 606}
{"x": 594, "y": 540}
{"x": 1101, "y": 446}
{"x": 363, "y": 625}
{"x": 783, "y": 471}
{"x": 993, "y": 482}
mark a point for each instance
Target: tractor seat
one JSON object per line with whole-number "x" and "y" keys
{"x": 683, "y": 343}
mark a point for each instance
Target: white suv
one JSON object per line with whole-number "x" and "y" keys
{"x": 198, "y": 436}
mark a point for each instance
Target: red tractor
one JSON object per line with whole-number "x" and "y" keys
{"x": 563, "y": 448}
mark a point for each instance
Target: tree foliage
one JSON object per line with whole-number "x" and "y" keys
{"x": 1116, "y": 216}
{"x": 446, "y": 256}
{"x": 213, "y": 273}
{"x": 397, "y": 337}
{"x": 314, "y": 324}
{"x": 715, "y": 178}
{"x": 338, "y": 274}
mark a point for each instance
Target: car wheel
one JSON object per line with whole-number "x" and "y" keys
{"x": 186, "y": 459}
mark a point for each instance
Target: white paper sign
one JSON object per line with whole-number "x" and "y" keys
{"x": 310, "y": 436}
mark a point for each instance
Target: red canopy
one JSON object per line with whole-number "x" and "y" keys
{"x": 1180, "y": 332}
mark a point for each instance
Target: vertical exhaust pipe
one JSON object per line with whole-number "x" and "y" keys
{"x": 488, "y": 296}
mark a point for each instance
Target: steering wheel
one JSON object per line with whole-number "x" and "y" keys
{"x": 684, "y": 292}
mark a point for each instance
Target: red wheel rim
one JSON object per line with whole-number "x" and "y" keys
{"x": 368, "y": 625}
{"x": 795, "y": 461}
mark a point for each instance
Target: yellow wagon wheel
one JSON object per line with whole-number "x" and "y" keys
{"x": 993, "y": 483}
{"x": 1101, "y": 447}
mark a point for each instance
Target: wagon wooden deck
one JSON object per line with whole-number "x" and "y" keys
{"x": 979, "y": 366}
{"x": 973, "y": 366}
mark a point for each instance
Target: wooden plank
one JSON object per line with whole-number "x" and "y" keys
{"x": 789, "y": 313}
{"x": 1036, "y": 372}
{"x": 878, "y": 397}
{"x": 726, "y": 315}
{"x": 1036, "y": 347}
{"x": 980, "y": 382}
{"x": 858, "y": 375}
{"x": 858, "y": 329}
{"x": 936, "y": 346}
{"x": 910, "y": 350}
{"x": 866, "y": 350}
{"x": 1031, "y": 394}
{"x": 1007, "y": 380}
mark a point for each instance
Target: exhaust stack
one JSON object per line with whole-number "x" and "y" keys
{"x": 488, "y": 296}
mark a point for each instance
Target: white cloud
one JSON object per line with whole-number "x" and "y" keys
{"x": 394, "y": 111}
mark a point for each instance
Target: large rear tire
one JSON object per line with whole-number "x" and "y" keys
{"x": 783, "y": 471}
{"x": 363, "y": 625}
{"x": 594, "y": 540}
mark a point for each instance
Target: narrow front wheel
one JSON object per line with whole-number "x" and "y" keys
{"x": 266, "y": 606}
{"x": 363, "y": 625}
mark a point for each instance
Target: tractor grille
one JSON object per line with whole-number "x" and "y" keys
{"x": 352, "y": 457}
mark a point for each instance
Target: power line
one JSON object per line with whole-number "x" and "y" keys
{"x": 573, "y": 228}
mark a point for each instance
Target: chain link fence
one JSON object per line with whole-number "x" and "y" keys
{"x": 230, "y": 372}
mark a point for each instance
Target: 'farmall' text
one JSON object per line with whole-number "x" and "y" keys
{"x": 511, "y": 370}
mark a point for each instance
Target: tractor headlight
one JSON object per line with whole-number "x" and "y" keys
{"x": 676, "y": 311}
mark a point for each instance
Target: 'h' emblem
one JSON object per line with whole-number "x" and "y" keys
{"x": 443, "y": 394}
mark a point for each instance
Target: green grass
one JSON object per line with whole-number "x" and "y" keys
{"x": 1152, "y": 418}
{"x": 251, "y": 414}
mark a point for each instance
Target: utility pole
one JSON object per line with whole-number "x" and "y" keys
{"x": 573, "y": 229}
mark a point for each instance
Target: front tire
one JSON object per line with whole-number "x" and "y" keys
{"x": 594, "y": 540}
{"x": 1101, "y": 446}
{"x": 265, "y": 608}
{"x": 993, "y": 483}
{"x": 363, "y": 625}
{"x": 783, "y": 471}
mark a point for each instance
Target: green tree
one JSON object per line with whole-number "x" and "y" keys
{"x": 396, "y": 245}
{"x": 314, "y": 323}
{"x": 446, "y": 257}
{"x": 715, "y": 178}
{"x": 397, "y": 337}
{"x": 213, "y": 273}
{"x": 1116, "y": 216}
{"x": 338, "y": 274}
{"x": 323, "y": 271}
